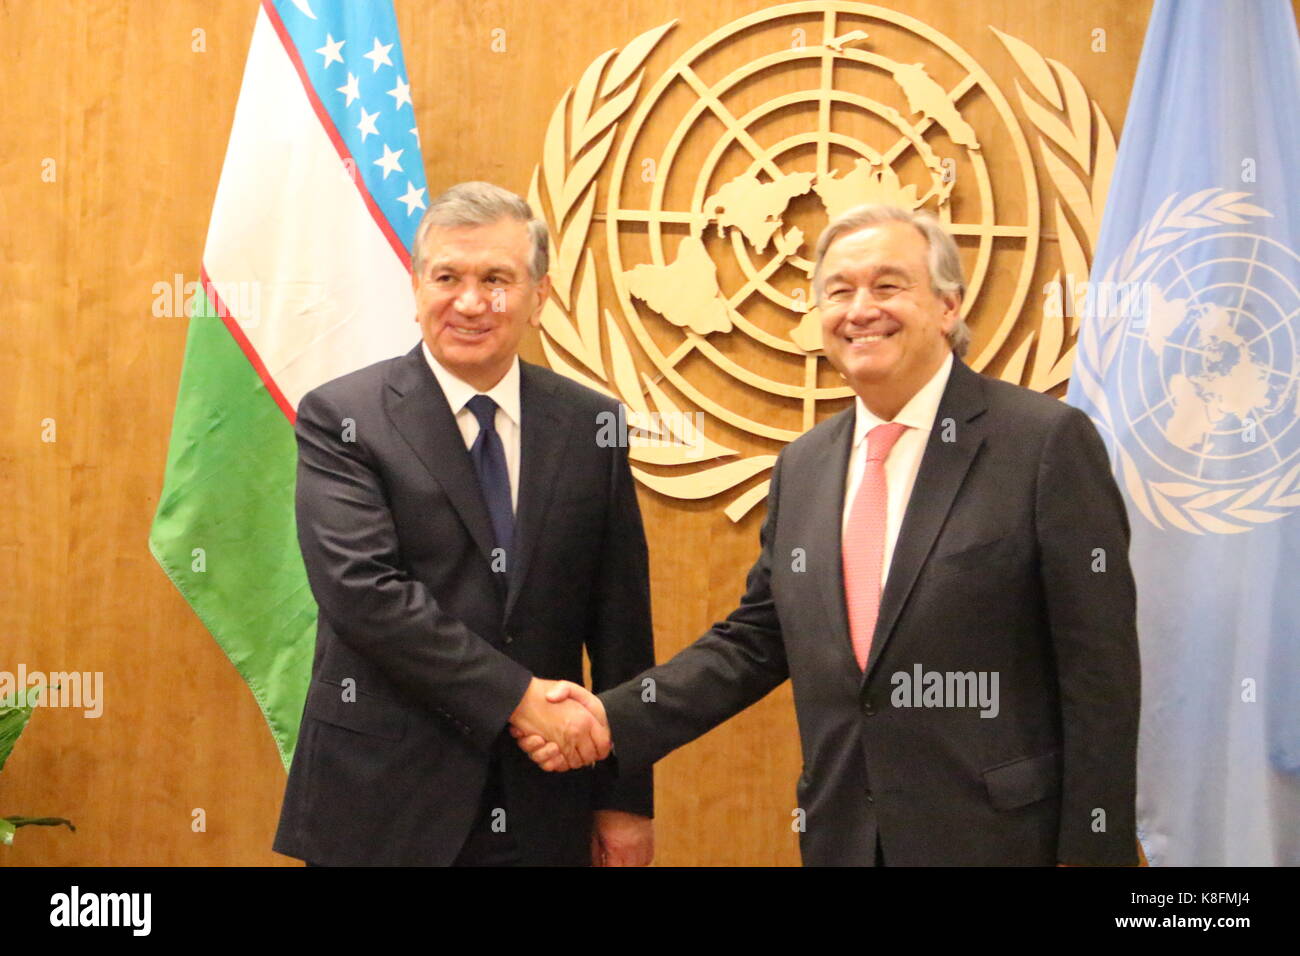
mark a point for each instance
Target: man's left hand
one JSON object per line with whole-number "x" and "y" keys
{"x": 619, "y": 838}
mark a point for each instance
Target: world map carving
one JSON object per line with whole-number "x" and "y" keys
{"x": 712, "y": 198}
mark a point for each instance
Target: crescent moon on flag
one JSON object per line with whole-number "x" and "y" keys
{"x": 305, "y": 7}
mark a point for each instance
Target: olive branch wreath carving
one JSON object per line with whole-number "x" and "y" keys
{"x": 576, "y": 331}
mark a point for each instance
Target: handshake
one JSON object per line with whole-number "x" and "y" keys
{"x": 561, "y": 726}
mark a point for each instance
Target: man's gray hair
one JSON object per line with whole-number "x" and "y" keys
{"x": 482, "y": 204}
{"x": 943, "y": 261}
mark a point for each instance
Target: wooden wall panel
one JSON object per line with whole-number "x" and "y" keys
{"x": 137, "y": 123}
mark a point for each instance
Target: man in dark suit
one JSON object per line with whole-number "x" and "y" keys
{"x": 944, "y": 578}
{"x": 465, "y": 536}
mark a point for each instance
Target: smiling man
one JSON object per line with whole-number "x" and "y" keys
{"x": 943, "y": 577}
{"x": 465, "y": 537}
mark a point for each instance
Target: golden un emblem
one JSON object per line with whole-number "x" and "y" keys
{"x": 686, "y": 294}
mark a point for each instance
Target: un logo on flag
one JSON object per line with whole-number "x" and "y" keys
{"x": 1204, "y": 377}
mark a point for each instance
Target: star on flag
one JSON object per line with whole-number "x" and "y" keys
{"x": 414, "y": 198}
{"x": 389, "y": 161}
{"x": 379, "y": 55}
{"x": 350, "y": 89}
{"x": 367, "y": 125}
{"x": 379, "y": 105}
{"x": 331, "y": 50}
{"x": 401, "y": 93}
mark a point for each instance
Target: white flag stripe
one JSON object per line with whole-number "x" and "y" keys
{"x": 290, "y": 226}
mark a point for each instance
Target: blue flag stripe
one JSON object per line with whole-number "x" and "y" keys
{"x": 353, "y": 58}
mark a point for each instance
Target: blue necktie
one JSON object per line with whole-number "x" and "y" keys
{"x": 489, "y": 456}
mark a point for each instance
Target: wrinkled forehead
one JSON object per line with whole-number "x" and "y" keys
{"x": 880, "y": 247}
{"x": 502, "y": 243}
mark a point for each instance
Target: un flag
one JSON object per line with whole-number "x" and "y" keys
{"x": 1191, "y": 371}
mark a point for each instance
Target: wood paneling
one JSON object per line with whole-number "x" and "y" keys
{"x": 137, "y": 124}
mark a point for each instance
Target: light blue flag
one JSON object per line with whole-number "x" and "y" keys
{"x": 1189, "y": 363}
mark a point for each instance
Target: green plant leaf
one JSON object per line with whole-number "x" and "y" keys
{"x": 15, "y": 711}
{"x": 40, "y": 822}
{"x": 9, "y": 824}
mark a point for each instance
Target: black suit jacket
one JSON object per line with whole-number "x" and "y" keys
{"x": 422, "y": 650}
{"x": 994, "y": 571}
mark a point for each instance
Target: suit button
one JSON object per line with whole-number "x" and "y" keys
{"x": 509, "y": 639}
{"x": 870, "y": 797}
{"x": 869, "y": 708}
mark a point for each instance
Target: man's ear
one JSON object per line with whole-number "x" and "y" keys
{"x": 951, "y": 310}
{"x": 543, "y": 293}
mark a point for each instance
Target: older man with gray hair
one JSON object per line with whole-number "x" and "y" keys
{"x": 466, "y": 538}
{"x": 944, "y": 578}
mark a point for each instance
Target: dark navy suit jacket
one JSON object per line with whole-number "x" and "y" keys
{"x": 423, "y": 650}
{"x": 996, "y": 571}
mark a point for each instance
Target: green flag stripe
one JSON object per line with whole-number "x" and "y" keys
{"x": 224, "y": 531}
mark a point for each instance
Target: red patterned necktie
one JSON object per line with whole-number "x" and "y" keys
{"x": 864, "y": 542}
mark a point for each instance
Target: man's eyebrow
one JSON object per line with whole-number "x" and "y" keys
{"x": 888, "y": 269}
{"x": 448, "y": 265}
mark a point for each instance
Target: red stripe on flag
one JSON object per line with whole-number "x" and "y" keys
{"x": 332, "y": 132}
{"x": 247, "y": 347}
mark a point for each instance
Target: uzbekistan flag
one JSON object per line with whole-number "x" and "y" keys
{"x": 305, "y": 276}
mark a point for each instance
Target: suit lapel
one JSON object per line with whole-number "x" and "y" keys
{"x": 420, "y": 413}
{"x": 943, "y": 469}
{"x": 541, "y": 445}
{"x": 827, "y": 525}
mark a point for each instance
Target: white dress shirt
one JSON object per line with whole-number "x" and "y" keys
{"x": 505, "y": 393}
{"x": 904, "y": 460}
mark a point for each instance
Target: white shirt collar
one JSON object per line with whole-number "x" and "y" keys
{"x": 505, "y": 392}
{"x": 918, "y": 413}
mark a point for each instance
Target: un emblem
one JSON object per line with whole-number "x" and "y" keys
{"x": 1206, "y": 367}
{"x": 695, "y": 304}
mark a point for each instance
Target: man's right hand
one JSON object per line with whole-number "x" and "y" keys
{"x": 561, "y": 725}
{"x": 552, "y": 752}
